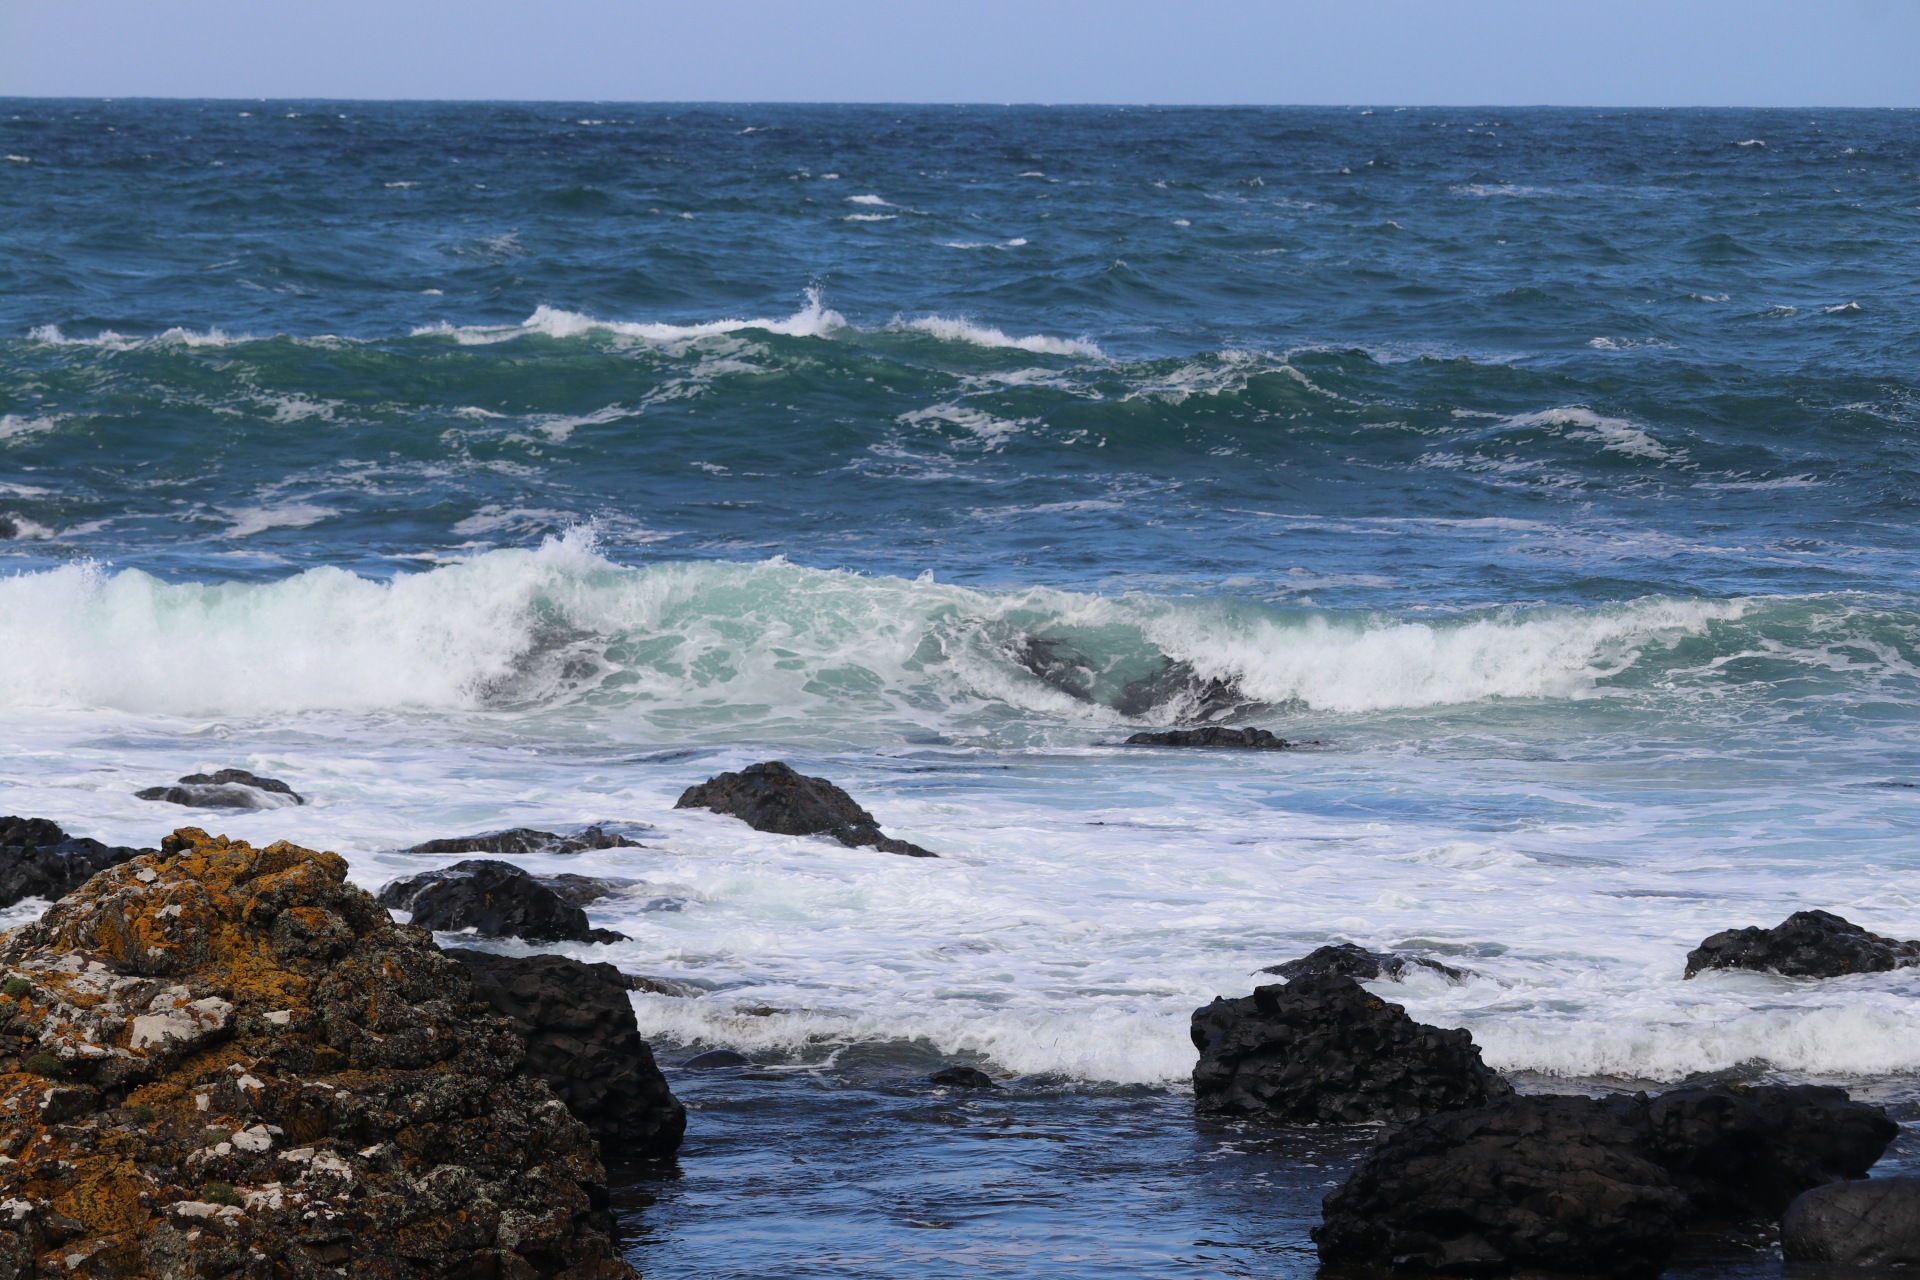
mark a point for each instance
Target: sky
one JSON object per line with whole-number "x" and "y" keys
{"x": 1812, "y": 53}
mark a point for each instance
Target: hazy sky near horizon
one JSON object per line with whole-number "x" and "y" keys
{"x": 1492, "y": 52}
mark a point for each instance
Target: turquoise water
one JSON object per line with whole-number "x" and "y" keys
{"x": 1552, "y": 472}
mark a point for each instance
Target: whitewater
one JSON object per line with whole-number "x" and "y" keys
{"x": 1545, "y": 476}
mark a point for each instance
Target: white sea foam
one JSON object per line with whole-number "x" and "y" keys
{"x": 248, "y": 521}
{"x": 812, "y": 321}
{"x": 979, "y": 335}
{"x": 111, "y": 341}
{"x": 15, "y": 426}
{"x": 870, "y": 217}
{"x": 1615, "y": 435}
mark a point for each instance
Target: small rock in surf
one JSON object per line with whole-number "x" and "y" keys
{"x": 1807, "y": 944}
{"x": 962, "y": 1078}
{"x": 1348, "y": 960}
{"x": 527, "y": 840}
{"x": 713, "y": 1059}
{"x": 1212, "y": 735}
{"x": 226, "y": 789}
{"x": 773, "y": 797}
{"x": 494, "y": 900}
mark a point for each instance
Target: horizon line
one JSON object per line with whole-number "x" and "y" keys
{"x": 990, "y": 103}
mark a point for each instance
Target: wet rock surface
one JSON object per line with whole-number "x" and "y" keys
{"x": 225, "y": 789}
{"x": 527, "y": 840}
{"x": 1348, "y": 960}
{"x": 494, "y": 900}
{"x": 714, "y": 1059}
{"x": 1875, "y": 1223}
{"x": 219, "y": 1060}
{"x": 1324, "y": 1050}
{"x": 582, "y": 1039}
{"x": 1807, "y": 944}
{"x": 1590, "y": 1185}
{"x": 962, "y": 1078}
{"x": 1210, "y": 736}
{"x": 774, "y": 797}
{"x": 39, "y": 860}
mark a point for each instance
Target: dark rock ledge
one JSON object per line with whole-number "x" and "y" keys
{"x": 521, "y": 840}
{"x": 773, "y": 797}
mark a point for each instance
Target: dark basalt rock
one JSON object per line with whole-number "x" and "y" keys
{"x": 8, "y": 529}
{"x": 962, "y": 1078}
{"x": 495, "y": 900}
{"x": 583, "y": 1041}
{"x": 714, "y": 1059}
{"x": 1860, "y": 1224}
{"x": 773, "y": 797}
{"x": 39, "y": 860}
{"x": 1324, "y": 1050}
{"x": 1590, "y": 1185}
{"x": 226, "y": 789}
{"x": 527, "y": 840}
{"x": 1350, "y": 961}
{"x": 1212, "y": 735}
{"x": 1807, "y": 944}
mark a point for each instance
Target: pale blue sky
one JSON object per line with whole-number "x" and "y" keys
{"x": 1579, "y": 52}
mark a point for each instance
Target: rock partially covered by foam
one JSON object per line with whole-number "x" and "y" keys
{"x": 1807, "y": 944}
{"x": 225, "y": 789}
{"x": 523, "y": 840}
{"x": 1875, "y": 1223}
{"x": 39, "y": 860}
{"x": 1351, "y": 961}
{"x": 1324, "y": 1050}
{"x": 583, "y": 1040}
{"x": 227, "y": 1061}
{"x": 1212, "y": 735}
{"x": 494, "y": 900}
{"x": 1590, "y": 1185}
{"x": 773, "y": 797}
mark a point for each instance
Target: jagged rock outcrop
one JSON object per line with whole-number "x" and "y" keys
{"x": 1348, "y": 960}
{"x": 524, "y": 840}
{"x": 773, "y": 797}
{"x": 226, "y": 1061}
{"x": 582, "y": 1039}
{"x": 1807, "y": 944}
{"x": 1322, "y": 1049}
{"x": 1212, "y": 735}
{"x": 1589, "y": 1185}
{"x": 495, "y": 900}
{"x": 1875, "y": 1223}
{"x": 39, "y": 860}
{"x": 226, "y": 789}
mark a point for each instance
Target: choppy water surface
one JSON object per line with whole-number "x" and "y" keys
{"x": 1552, "y": 472}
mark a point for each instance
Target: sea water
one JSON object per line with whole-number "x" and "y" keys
{"x": 1548, "y": 474}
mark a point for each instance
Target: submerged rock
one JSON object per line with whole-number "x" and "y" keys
{"x": 584, "y": 1042}
{"x": 8, "y": 529}
{"x": 495, "y": 900}
{"x": 39, "y": 860}
{"x": 1324, "y": 1050}
{"x": 226, "y": 1061}
{"x": 962, "y": 1078}
{"x": 1348, "y": 960}
{"x": 1590, "y": 1185}
{"x": 527, "y": 840}
{"x": 1875, "y": 1223}
{"x": 1212, "y": 735}
{"x": 226, "y": 789}
{"x": 773, "y": 797}
{"x": 714, "y": 1059}
{"x": 1807, "y": 944}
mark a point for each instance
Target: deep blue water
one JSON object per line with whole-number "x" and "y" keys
{"x": 1553, "y": 472}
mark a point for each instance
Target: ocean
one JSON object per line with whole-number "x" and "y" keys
{"x": 1549, "y": 474}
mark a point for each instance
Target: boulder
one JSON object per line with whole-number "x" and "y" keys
{"x": 1322, "y": 1049}
{"x": 582, "y": 1039}
{"x": 1589, "y": 1185}
{"x": 962, "y": 1078}
{"x": 1859, "y": 1224}
{"x": 226, "y": 789}
{"x": 39, "y": 860}
{"x": 1348, "y": 960}
{"x": 227, "y": 1061}
{"x": 773, "y": 797}
{"x": 1212, "y": 735}
{"x": 1807, "y": 944}
{"x": 495, "y": 900}
{"x": 524, "y": 840}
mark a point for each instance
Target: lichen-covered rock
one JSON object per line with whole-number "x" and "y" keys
{"x": 494, "y": 900}
{"x": 774, "y": 797}
{"x": 39, "y": 860}
{"x": 220, "y": 1060}
{"x": 582, "y": 1038}
{"x": 1322, "y": 1049}
{"x": 1807, "y": 944}
{"x": 225, "y": 789}
{"x": 528, "y": 840}
{"x": 1349, "y": 960}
